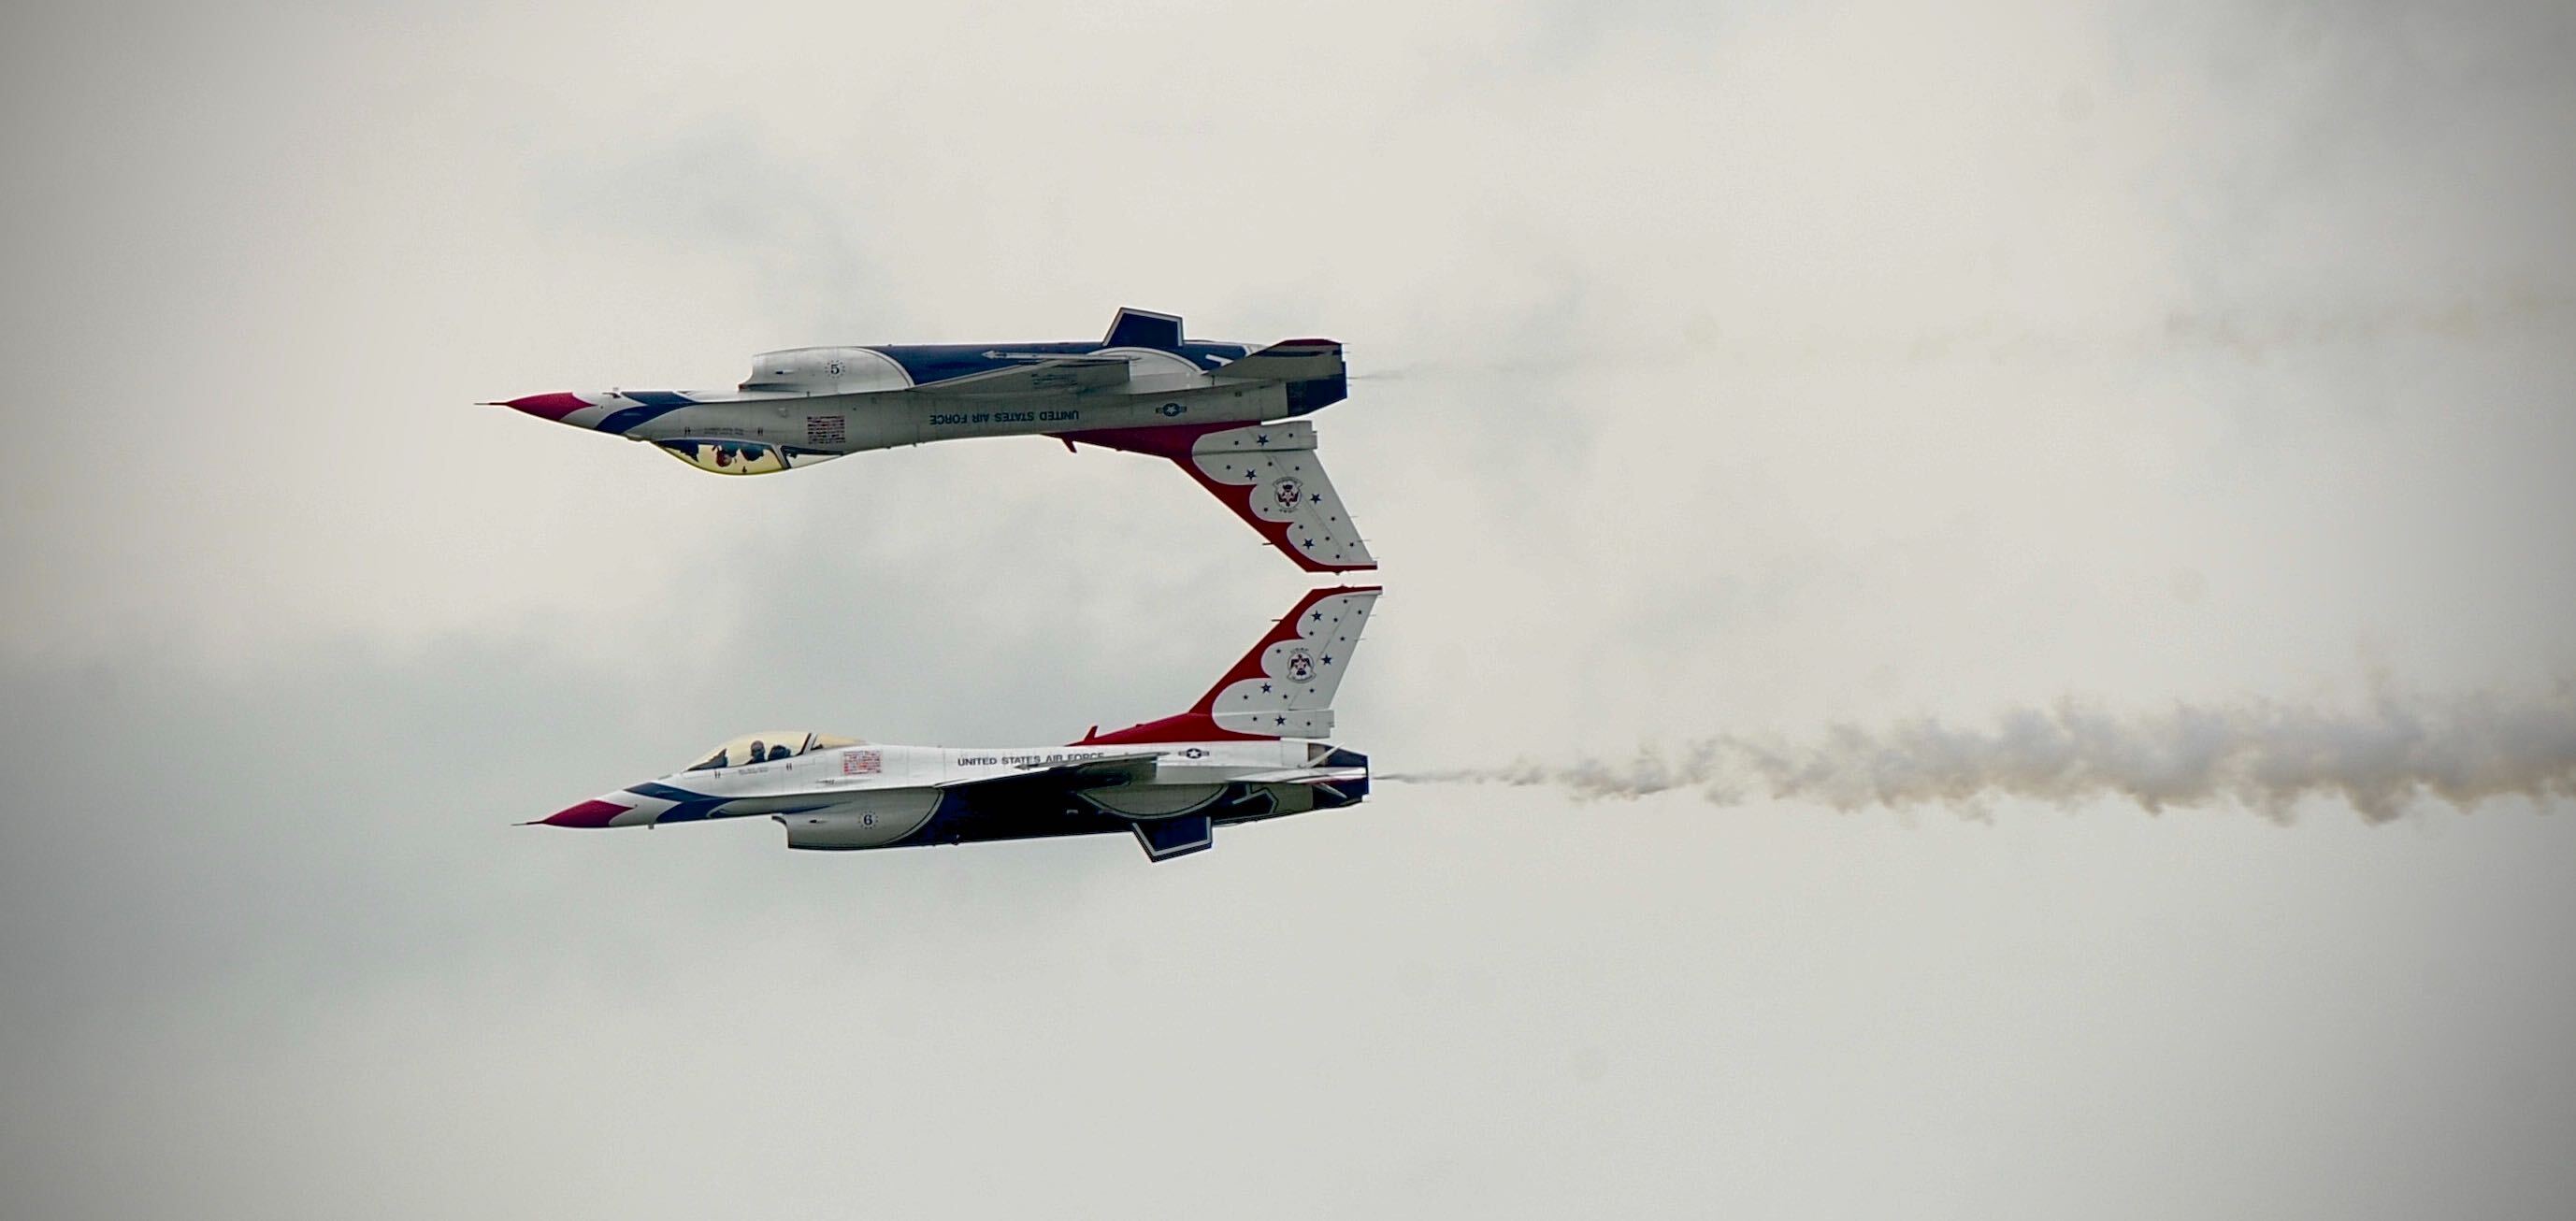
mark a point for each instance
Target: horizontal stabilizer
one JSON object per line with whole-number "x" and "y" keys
{"x": 1293, "y": 360}
{"x": 1306, "y": 775}
{"x": 1165, "y": 838}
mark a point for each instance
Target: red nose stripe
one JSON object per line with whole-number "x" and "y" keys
{"x": 549, "y": 406}
{"x": 587, "y": 814}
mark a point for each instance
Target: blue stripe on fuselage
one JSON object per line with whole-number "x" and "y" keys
{"x": 688, "y": 807}
{"x": 698, "y": 807}
{"x": 656, "y": 404}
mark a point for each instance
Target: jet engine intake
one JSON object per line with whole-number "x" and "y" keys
{"x": 726, "y": 456}
{"x": 871, "y": 820}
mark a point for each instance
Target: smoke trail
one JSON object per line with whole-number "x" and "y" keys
{"x": 2264, "y": 756}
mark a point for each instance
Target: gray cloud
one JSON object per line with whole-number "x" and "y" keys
{"x": 1863, "y": 365}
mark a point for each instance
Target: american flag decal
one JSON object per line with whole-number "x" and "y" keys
{"x": 862, "y": 762}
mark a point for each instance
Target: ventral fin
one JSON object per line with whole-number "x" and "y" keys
{"x": 1165, "y": 838}
{"x": 1136, "y": 328}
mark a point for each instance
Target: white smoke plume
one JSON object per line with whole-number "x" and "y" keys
{"x": 2262, "y": 756}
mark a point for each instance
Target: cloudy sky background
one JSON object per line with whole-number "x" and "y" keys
{"x": 1743, "y": 371}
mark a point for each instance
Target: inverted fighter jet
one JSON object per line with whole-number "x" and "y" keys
{"x": 1251, "y": 748}
{"x": 1220, "y": 411}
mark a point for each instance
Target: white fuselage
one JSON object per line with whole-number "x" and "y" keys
{"x": 850, "y": 423}
{"x": 873, "y": 766}
{"x": 1253, "y": 747}
{"x": 1223, "y": 413}
{"x": 875, "y": 795}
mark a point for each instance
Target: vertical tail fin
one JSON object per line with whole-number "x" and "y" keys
{"x": 1283, "y": 688}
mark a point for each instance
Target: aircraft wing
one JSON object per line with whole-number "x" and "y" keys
{"x": 1080, "y": 774}
{"x": 1162, "y": 838}
{"x": 1055, "y": 373}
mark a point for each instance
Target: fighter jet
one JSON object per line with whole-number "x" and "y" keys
{"x": 1251, "y": 748}
{"x": 1220, "y": 411}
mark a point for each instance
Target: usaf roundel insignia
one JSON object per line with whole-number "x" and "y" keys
{"x": 1169, "y": 410}
{"x": 1301, "y": 665}
{"x": 1288, "y": 492}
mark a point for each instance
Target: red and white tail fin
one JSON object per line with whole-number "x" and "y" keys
{"x": 1267, "y": 473}
{"x": 1283, "y": 688}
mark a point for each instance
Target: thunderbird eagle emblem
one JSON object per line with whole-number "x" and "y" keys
{"x": 1288, "y": 492}
{"x": 1301, "y": 665}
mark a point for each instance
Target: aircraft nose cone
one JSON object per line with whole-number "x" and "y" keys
{"x": 592, "y": 813}
{"x": 546, "y": 406}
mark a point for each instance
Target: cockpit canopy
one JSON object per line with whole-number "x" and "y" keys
{"x": 825, "y": 371}
{"x": 769, "y": 747}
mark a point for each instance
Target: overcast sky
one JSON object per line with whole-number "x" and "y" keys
{"x": 1726, "y": 371}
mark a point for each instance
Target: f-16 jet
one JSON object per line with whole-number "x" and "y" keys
{"x": 1223, "y": 412}
{"x": 1252, "y": 748}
